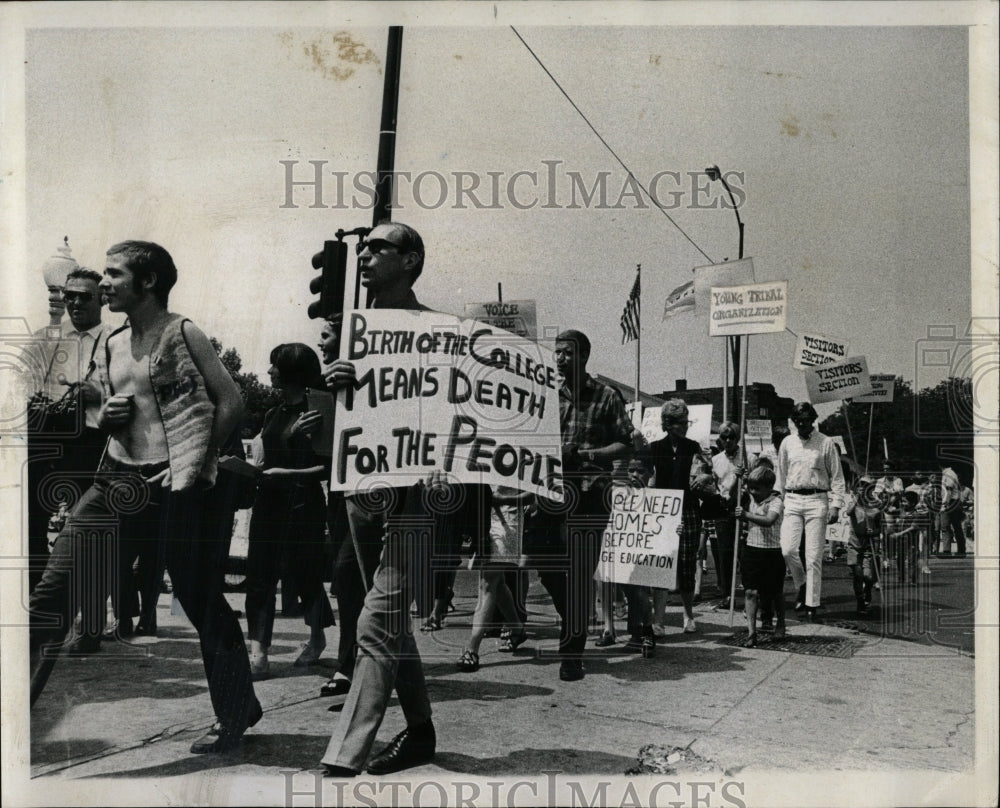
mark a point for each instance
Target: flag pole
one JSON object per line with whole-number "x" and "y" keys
{"x": 868, "y": 448}
{"x": 638, "y": 330}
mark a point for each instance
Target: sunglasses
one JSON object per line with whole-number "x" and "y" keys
{"x": 377, "y": 245}
{"x": 79, "y": 297}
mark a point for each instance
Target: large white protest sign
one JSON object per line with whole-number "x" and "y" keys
{"x": 838, "y": 380}
{"x": 757, "y": 309}
{"x": 517, "y": 316}
{"x": 639, "y": 545}
{"x": 883, "y": 389}
{"x": 728, "y": 273}
{"x": 435, "y": 392}
{"x": 815, "y": 349}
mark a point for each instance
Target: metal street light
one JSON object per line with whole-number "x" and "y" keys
{"x": 715, "y": 174}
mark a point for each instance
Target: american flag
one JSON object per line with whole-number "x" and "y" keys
{"x": 630, "y": 316}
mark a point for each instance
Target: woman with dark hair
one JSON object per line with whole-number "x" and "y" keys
{"x": 290, "y": 511}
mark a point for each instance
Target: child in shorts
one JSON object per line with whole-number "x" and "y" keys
{"x": 763, "y": 566}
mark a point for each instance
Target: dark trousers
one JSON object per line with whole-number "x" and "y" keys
{"x": 59, "y": 469}
{"x": 565, "y": 548}
{"x": 286, "y": 523}
{"x": 192, "y": 526}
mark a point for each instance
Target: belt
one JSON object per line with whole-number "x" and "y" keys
{"x": 109, "y": 464}
{"x": 805, "y": 492}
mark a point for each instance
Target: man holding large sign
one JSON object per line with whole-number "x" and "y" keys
{"x": 422, "y": 395}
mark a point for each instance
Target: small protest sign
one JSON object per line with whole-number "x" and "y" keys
{"x": 758, "y": 428}
{"x": 839, "y": 532}
{"x": 517, "y": 316}
{"x": 639, "y": 545}
{"x": 438, "y": 393}
{"x": 838, "y": 380}
{"x": 883, "y": 389}
{"x": 815, "y": 349}
{"x": 757, "y": 309}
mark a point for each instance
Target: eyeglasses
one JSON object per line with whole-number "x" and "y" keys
{"x": 377, "y": 245}
{"x": 79, "y": 297}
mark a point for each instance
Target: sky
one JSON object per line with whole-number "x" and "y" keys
{"x": 849, "y": 147}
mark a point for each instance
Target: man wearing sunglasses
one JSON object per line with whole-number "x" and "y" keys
{"x": 66, "y": 371}
{"x": 390, "y": 261}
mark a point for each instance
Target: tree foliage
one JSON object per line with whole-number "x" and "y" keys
{"x": 921, "y": 430}
{"x": 258, "y": 398}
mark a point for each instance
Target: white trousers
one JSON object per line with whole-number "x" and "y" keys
{"x": 809, "y": 512}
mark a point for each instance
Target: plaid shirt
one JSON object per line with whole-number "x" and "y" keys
{"x": 595, "y": 418}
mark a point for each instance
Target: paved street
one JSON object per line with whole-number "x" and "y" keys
{"x": 902, "y": 701}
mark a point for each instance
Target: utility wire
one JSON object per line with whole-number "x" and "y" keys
{"x": 608, "y": 147}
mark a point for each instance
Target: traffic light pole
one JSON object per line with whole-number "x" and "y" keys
{"x": 382, "y": 210}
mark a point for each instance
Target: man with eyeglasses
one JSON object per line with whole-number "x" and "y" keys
{"x": 390, "y": 261}
{"x": 66, "y": 370}
{"x": 811, "y": 480}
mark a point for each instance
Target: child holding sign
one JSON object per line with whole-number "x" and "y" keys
{"x": 763, "y": 565}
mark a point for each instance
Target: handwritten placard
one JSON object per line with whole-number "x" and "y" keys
{"x": 757, "y": 309}
{"x": 435, "y": 392}
{"x": 640, "y": 543}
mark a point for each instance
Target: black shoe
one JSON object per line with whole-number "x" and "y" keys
{"x": 414, "y": 746}
{"x": 800, "y": 599}
{"x": 146, "y": 629}
{"x": 118, "y": 630}
{"x": 338, "y": 771}
{"x": 634, "y": 645}
{"x": 571, "y": 670}
{"x": 336, "y": 690}
{"x": 812, "y": 615}
{"x": 221, "y": 738}
{"x": 648, "y": 647}
{"x": 338, "y": 686}
{"x": 767, "y": 624}
{"x": 84, "y": 645}
{"x": 862, "y": 607}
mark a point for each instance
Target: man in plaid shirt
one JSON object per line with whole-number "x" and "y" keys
{"x": 595, "y": 432}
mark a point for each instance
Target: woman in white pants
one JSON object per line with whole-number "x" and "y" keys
{"x": 812, "y": 481}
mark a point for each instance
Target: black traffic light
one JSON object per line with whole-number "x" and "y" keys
{"x": 329, "y": 285}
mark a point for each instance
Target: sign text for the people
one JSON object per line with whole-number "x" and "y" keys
{"x": 815, "y": 349}
{"x": 639, "y": 545}
{"x": 435, "y": 392}
{"x": 757, "y": 309}
{"x": 838, "y": 380}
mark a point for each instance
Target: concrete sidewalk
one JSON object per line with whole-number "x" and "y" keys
{"x": 132, "y": 711}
